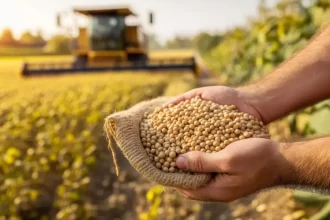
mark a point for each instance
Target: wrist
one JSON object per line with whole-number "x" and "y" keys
{"x": 306, "y": 163}
{"x": 261, "y": 101}
{"x": 288, "y": 174}
{"x": 280, "y": 171}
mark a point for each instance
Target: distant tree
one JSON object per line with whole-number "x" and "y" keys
{"x": 179, "y": 43}
{"x": 154, "y": 44}
{"x": 60, "y": 44}
{"x": 39, "y": 39}
{"x": 27, "y": 38}
{"x": 204, "y": 42}
{"x": 7, "y": 37}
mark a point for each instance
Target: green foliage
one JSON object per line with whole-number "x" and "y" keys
{"x": 153, "y": 42}
{"x": 52, "y": 141}
{"x": 58, "y": 44}
{"x": 179, "y": 43}
{"x": 205, "y": 42}
{"x": 246, "y": 54}
{"x": 27, "y": 38}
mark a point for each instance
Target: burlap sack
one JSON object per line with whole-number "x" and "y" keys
{"x": 123, "y": 128}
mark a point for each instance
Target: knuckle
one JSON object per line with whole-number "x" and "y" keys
{"x": 196, "y": 163}
{"x": 188, "y": 195}
{"x": 228, "y": 160}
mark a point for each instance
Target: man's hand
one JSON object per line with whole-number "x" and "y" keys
{"x": 222, "y": 95}
{"x": 242, "y": 168}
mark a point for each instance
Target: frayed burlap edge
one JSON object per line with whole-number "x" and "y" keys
{"x": 123, "y": 128}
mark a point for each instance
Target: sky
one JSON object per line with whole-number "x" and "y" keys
{"x": 172, "y": 17}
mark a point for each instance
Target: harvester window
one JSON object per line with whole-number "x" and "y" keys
{"x": 113, "y": 22}
{"x": 106, "y": 32}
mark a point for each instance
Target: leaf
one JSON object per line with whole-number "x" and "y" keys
{"x": 320, "y": 121}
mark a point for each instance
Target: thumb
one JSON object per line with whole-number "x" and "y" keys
{"x": 197, "y": 161}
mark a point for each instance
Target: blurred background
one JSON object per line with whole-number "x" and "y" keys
{"x": 54, "y": 158}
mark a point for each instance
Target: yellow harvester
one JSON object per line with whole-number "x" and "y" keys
{"x": 109, "y": 44}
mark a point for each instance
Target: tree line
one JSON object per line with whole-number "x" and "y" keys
{"x": 58, "y": 44}
{"x": 27, "y": 38}
{"x": 203, "y": 42}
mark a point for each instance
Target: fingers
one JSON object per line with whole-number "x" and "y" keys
{"x": 185, "y": 96}
{"x": 214, "y": 191}
{"x": 197, "y": 161}
{"x": 207, "y": 195}
{"x": 200, "y": 195}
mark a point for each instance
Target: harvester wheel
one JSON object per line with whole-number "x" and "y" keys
{"x": 80, "y": 62}
{"x": 138, "y": 58}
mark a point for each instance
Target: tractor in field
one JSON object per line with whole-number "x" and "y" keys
{"x": 108, "y": 43}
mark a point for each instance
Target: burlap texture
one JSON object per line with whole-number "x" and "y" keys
{"x": 123, "y": 128}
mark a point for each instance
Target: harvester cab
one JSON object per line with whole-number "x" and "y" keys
{"x": 108, "y": 43}
{"x": 109, "y": 39}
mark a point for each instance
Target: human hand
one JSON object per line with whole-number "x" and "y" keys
{"x": 220, "y": 95}
{"x": 242, "y": 168}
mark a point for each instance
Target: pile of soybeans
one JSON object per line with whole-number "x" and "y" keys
{"x": 194, "y": 125}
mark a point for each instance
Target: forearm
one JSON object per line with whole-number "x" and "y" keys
{"x": 300, "y": 81}
{"x": 307, "y": 164}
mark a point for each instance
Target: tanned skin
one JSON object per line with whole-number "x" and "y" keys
{"x": 251, "y": 165}
{"x": 302, "y": 80}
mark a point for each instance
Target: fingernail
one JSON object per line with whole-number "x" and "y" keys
{"x": 182, "y": 162}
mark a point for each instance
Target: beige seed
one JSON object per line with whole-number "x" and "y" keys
{"x": 172, "y": 154}
{"x": 194, "y": 125}
{"x": 161, "y": 155}
{"x": 246, "y": 134}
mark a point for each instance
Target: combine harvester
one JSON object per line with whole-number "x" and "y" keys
{"x": 110, "y": 44}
